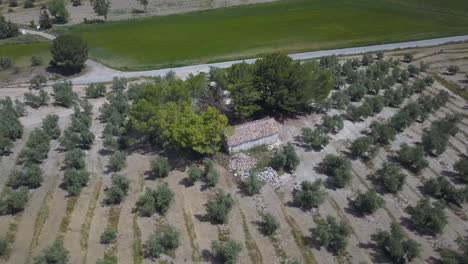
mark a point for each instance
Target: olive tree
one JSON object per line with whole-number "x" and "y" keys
{"x": 441, "y": 188}
{"x": 63, "y": 94}
{"x": 69, "y": 52}
{"x": 338, "y": 168}
{"x": 453, "y": 69}
{"x": 226, "y": 251}
{"x": 160, "y": 167}
{"x": 412, "y": 157}
{"x": 285, "y": 159}
{"x": 364, "y": 147}
{"x": 397, "y": 245}
{"x": 218, "y": 208}
{"x": 269, "y": 224}
{"x": 333, "y": 235}
{"x": 311, "y": 195}
{"x": 118, "y": 190}
{"x": 316, "y": 138}
{"x": 391, "y": 177}
{"x": 368, "y": 202}
{"x": 332, "y": 124}
{"x": 427, "y": 217}
{"x": 55, "y": 253}
{"x": 461, "y": 166}
{"x": 252, "y": 185}
{"x": 158, "y": 200}
{"x": 161, "y": 241}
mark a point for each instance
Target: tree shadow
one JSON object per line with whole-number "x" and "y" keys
{"x": 454, "y": 176}
{"x": 313, "y": 239}
{"x": 64, "y": 71}
{"x": 205, "y": 218}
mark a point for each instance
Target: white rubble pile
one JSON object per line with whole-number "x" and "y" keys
{"x": 240, "y": 165}
{"x": 270, "y": 176}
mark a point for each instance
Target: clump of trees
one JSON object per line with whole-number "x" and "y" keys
{"x": 364, "y": 148}
{"x": 218, "y": 208}
{"x": 412, "y": 158}
{"x": 7, "y": 29}
{"x": 158, "y": 200}
{"x": 226, "y": 251}
{"x": 311, "y": 195}
{"x": 118, "y": 189}
{"x": 96, "y": 90}
{"x": 333, "y": 235}
{"x": 397, "y": 245}
{"x": 55, "y": 253}
{"x": 160, "y": 168}
{"x": 435, "y": 140}
{"x": 285, "y": 159}
{"x": 10, "y": 126}
{"x": 427, "y": 217}
{"x": 441, "y": 188}
{"x": 161, "y": 242}
{"x": 461, "y": 167}
{"x": 269, "y": 224}
{"x": 59, "y": 11}
{"x": 69, "y": 52}
{"x": 338, "y": 168}
{"x": 391, "y": 177}
{"x": 368, "y": 202}
{"x": 13, "y": 201}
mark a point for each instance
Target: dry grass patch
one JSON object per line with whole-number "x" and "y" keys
{"x": 71, "y": 202}
{"x": 252, "y": 248}
{"x": 85, "y": 227}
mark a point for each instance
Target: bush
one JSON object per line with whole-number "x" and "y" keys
{"x": 4, "y": 245}
{"x": 311, "y": 195}
{"x": 391, "y": 178}
{"x": 50, "y": 126}
{"x": 428, "y": 218}
{"x": 285, "y": 159}
{"x": 28, "y": 4}
{"x": 108, "y": 236}
{"x": 412, "y": 158}
{"x": 5, "y": 63}
{"x": 63, "y": 94}
{"x": 118, "y": 190}
{"x": 407, "y": 57}
{"x": 7, "y": 28}
{"x": 160, "y": 168}
{"x": 13, "y": 3}
{"x": 161, "y": 242}
{"x": 252, "y": 185}
{"x": 153, "y": 201}
{"x": 211, "y": 178}
{"x": 356, "y": 92}
{"x": 339, "y": 168}
{"x": 382, "y": 133}
{"x": 453, "y": 69}
{"x": 118, "y": 161}
{"x": 441, "y": 188}
{"x": 44, "y": 20}
{"x": 413, "y": 70}
{"x": 74, "y": 159}
{"x": 332, "y": 124}
{"x": 36, "y": 101}
{"x": 333, "y": 235}
{"x": 218, "y": 208}
{"x": 227, "y": 252}
{"x": 29, "y": 176}
{"x": 316, "y": 139}
{"x": 194, "y": 174}
{"x": 435, "y": 141}
{"x": 14, "y": 202}
{"x": 397, "y": 245}
{"x": 36, "y": 61}
{"x": 96, "y": 90}
{"x": 74, "y": 180}
{"x": 56, "y": 253}
{"x": 367, "y": 59}
{"x": 364, "y": 148}
{"x": 369, "y": 202}
{"x": 269, "y": 224}
{"x": 461, "y": 167}
{"x": 37, "y": 147}
{"x": 340, "y": 100}
{"x": 69, "y": 52}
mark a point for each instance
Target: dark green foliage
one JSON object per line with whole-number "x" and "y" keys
{"x": 332, "y": 124}
{"x": 218, "y": 208}
{"x": 194, "y": 174}
{"x": 44, "y": 20}
{"x": 397, "y": 245}
{"x": 412, "y": 158}
{"x": 30, "y": 176}
{"x": 7, "y": 28}
{"x": 252, "y": 185}
{"x": 227, "y": 252}
{"x": 37, "y": 82}
{"x": 63, "y": 94}
{"x": 428, "y": 218}
{"x": 364, "y": 147}
{"x": 118, "y": 190}
{"x": 453, "y": 69}
{"x": 153, "y": 201}
{"x": 316, "y": 138}
{"x": 74, "y": 159}
{"x": 441, "y": 188}
{"x": 13, "y": 202}
{"x": 118, "y": 160}
{"x": 4, "y": 245}
{"x": 391, "y": 177}
{"x": 37, "y": 147}
{"x": 338, "y": 168}
{"x": 269, "y": 224}
{"x": 356, "y": 92}
{"x": 367, "y": 59}
{"x": 69, "y": 52}
{"x": 461, "y": 166}
{"x": 413, "y": 70}
{"x": 407, "y": 57}
{"x": 108, "y": 236}
{"x": 382, "y": 133}
{"x": 393, "y": 98}
{"x": 339, "y": 100}
{"x": 36, "y": 101}
{"x": 96, "y": 90}
{"x": 311, "y": 195}
{"x": 54, "y": 254}
{"x": 333, "y": 235}
{"x": 456, "y": 256}
{"x": 10, "y": 126}
{"x": 50, "y": 126}
{"x": 285, "y": 159}
{"x": 74, "y": 180}
{"x": 160, "y": 168}
{"x": 369, "y": 202}
{"x": 434, "y": 141}
{"x": 160, "y": 242}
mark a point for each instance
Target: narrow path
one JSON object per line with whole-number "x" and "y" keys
{"x": 97, "y": 72}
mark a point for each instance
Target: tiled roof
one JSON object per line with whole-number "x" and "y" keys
{"x": 252, "y": 131}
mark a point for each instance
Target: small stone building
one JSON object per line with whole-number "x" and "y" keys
{"x": 251, "y": 134}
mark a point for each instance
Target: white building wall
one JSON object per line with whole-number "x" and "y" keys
{"x": 261, "y": 141}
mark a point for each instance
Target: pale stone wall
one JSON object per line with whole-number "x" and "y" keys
{"x": 261, "y": 141}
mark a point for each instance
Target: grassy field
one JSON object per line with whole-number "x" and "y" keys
{"x": 21, "y": 53}
{"x": 247, "y": 31}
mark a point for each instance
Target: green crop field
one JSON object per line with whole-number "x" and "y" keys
{"x": 21, "y": 53}
{"x": 289, "y": 26}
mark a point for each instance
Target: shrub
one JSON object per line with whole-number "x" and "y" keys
{"x": 413, "y": 70}
{"x": 14, "y": 202}
{"x": 7, "y": 28}
{"x": 118, "y": 190}
{"x": 364, "y": 148}
{"x": 391, "y": 177}
{"x": 28, "y": 4}
{"x": 4, "y": 245}
{"x": 44, "y": 20}
{"x": 50, "y": 126}
{"x": 441, "y": 188}
{"x": 36, "y": 61}
{"x": 226, "y": 251}
{"x": 461, "y": 166}
{"x": 311, "y": 195}
{"x": 30, "y": 176}
{"x": 36, "y": 101}
{"x": 286, "y": 159}
{"x": 194, "y": 174}
{"x": 382, "y": 133}
{"x": 340, "y": 100}
{"x": 56, "y": 253}
{"x": 218, "y": 208}
{"x": 252, "y": 185}
{"x": 332, "y": 124}
{"x": 412, "y": 158}
{"x": 269, "y": 224}
{"x": 211, "y": 178}
{"x": 160, "y": 168}
{"x": 333, "y": 235}
{"x": 380, "y": 55}
{"x": 356, "y": 92}
{"x": 407, "y": 57}
{"x": 69, "y": 52}
{"x": 63, "y": 94}
{"x": 74, "y": 180}
{"x": 161, "y": 242}
{"x": 37, "y": 147}
{"x": 339, "y": 168}
{"x": 37, "y": 82}
{"x": 158, "y": 200}
{"x": 369, "y": 202}
{"x": 118, "y": 161}
{"x": 316, "y": 139}
{"x": 5, "y": 63}
{"x": 428, "y": 218}
{"x": 96, "y": 90}
{"x": 397, "y": 245}
{"x": 435, "y": 141}
{"x": 367, "y": 59}
{"x": 108, "y": 236}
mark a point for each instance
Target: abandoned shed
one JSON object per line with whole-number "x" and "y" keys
{"x": 251, "y": 134}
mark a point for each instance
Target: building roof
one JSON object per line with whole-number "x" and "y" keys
{"x": 252, "y": 131}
